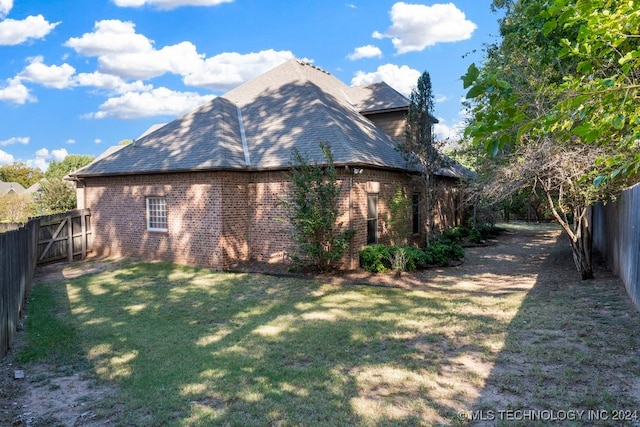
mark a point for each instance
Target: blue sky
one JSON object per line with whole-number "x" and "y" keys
{"x": 78, "y": 76}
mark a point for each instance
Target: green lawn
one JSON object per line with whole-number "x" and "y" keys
{"x": 195, "y": 347}
{"x": 514, "y": 327}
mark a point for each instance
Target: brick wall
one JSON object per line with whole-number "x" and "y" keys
{"x": 217, "y": 218}
{"x": 194, "y": 206}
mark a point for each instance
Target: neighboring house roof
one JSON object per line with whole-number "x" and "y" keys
{"x": 10, "y": 187}
{"x": 33, "y": 189}
{"x": 257, "y": 125}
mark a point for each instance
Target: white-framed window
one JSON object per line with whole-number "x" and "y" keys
{"x": 156, "y": 214}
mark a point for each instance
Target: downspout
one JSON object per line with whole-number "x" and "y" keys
{"x": 351, "y": 260}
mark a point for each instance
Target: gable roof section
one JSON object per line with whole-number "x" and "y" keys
{"x": 257, "y": 125}
{"x": 9, "y": 187}
{"x": 376, "y": 97}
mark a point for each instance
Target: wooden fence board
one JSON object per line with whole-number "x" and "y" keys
{"x": 64, "y": 236}
{"x": 17, "y": 268}
{"x": 45, "y": 239}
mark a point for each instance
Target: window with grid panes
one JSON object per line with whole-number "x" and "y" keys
{"x": 156, "y": 214}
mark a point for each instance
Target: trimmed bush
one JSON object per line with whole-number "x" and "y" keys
{"x": 416, "y": 258}
{"x": 375, "y": 259}
{"x": 379, "y": 258}
{"x": 442, "y": 251}
{"x": 456, "y": 234}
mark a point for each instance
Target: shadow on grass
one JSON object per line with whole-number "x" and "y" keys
{"x": 193, "y": 347}
{"x": 570, "y": 355}
{"x": 512, "y": 328}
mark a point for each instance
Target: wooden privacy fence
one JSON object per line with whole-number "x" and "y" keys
{"x": 65, "y": 236}
{"x": 45, "y": 239}
{"x": 18, "y": 256}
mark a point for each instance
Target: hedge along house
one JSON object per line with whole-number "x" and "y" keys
{"x": 206, "y": 188}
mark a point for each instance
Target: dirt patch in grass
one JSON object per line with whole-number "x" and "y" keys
{"x": 550, "y": 342}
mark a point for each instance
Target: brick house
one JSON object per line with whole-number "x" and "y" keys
{"x": 205, "y": 189}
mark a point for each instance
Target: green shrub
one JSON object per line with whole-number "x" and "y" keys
{"x": 442, "y": 251}
{"x": 456, "y": 234}
{"x": 475, "y": 236}
{"x": 375, "y": 259}
{"x": 416, "y": 258}
{"x": 379, "y": 258}
{"x": 482, "y": 232}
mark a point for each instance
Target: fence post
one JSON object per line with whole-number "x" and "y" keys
{"x": 4, "y": 297}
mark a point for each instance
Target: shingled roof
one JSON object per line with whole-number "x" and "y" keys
{"x": 257, "y": 125}
{"x": 10, "y": 187}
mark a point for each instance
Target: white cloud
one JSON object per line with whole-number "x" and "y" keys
{"x": 14, "y": 32}
{"x": 160, "y": 101}
{"x": 439, "y": 98}
{"x": 181, "y": 58}
{"x": 15, "y": 92}
{"x": 111, "y": 36}
{"x": 109, "y": 82}
{"x": 5, "y": 158}
{"x": 71, "y": 141}
{"x": 415, "y": 27}
{"x": 97, "y": 141}
{"x": 44, "y": 156}
{"x": 229, "y": 69}
{"x": 403, "y": 79}
{"x": 126, "y": 54}
{"x": 368, "y": 51}
{"x": 55, "y": 76}
{"x": 15, "y": 140}
{"x": 168, "y": 4}
{"x": 5, "y": 7}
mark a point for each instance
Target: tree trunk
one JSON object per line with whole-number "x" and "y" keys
{"x": 581, "y": 241}
{"x": 582, "y": 245}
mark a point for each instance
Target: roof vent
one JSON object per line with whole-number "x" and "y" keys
{"x": 315, "y": 67}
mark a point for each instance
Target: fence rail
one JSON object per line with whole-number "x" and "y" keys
{"x": 64, "y": 236}
{"x": 42, "y": 240}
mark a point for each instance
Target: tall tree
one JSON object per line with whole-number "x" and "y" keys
{"x": 58, "y": 195}
{"x": 71, "y": 163}
{"x": 21, "y": 173}
{"x": 420, "y": 147}
{"x": 312, "y": 207}
{"x": 557, "y": 108}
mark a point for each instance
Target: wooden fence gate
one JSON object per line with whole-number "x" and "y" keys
{"x": 65, "y": 236}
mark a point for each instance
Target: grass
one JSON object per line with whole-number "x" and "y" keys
{"x": 187, "y": 347}
{"x": 195, "y": 347}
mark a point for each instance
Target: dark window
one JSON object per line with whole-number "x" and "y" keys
{"x": 415, "y": 210}
{"x": 372, "y": 219}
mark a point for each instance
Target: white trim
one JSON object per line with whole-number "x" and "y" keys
{"x": 148, "y": 212}
{"x": 243, "y": 137}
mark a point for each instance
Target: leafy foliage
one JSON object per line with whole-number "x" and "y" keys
{"x": 16, "y": 208}
{"x": 20, "y": 173}
{"x": 399, "y": 211}
{"x": 380, "y": 258}
{"x": 313, "y": 212}
{"x": 56, "y": 194}
{"x": 58, "y": 169}
{"x": 420, "y": 148}
{"x": 555, "y": 106}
